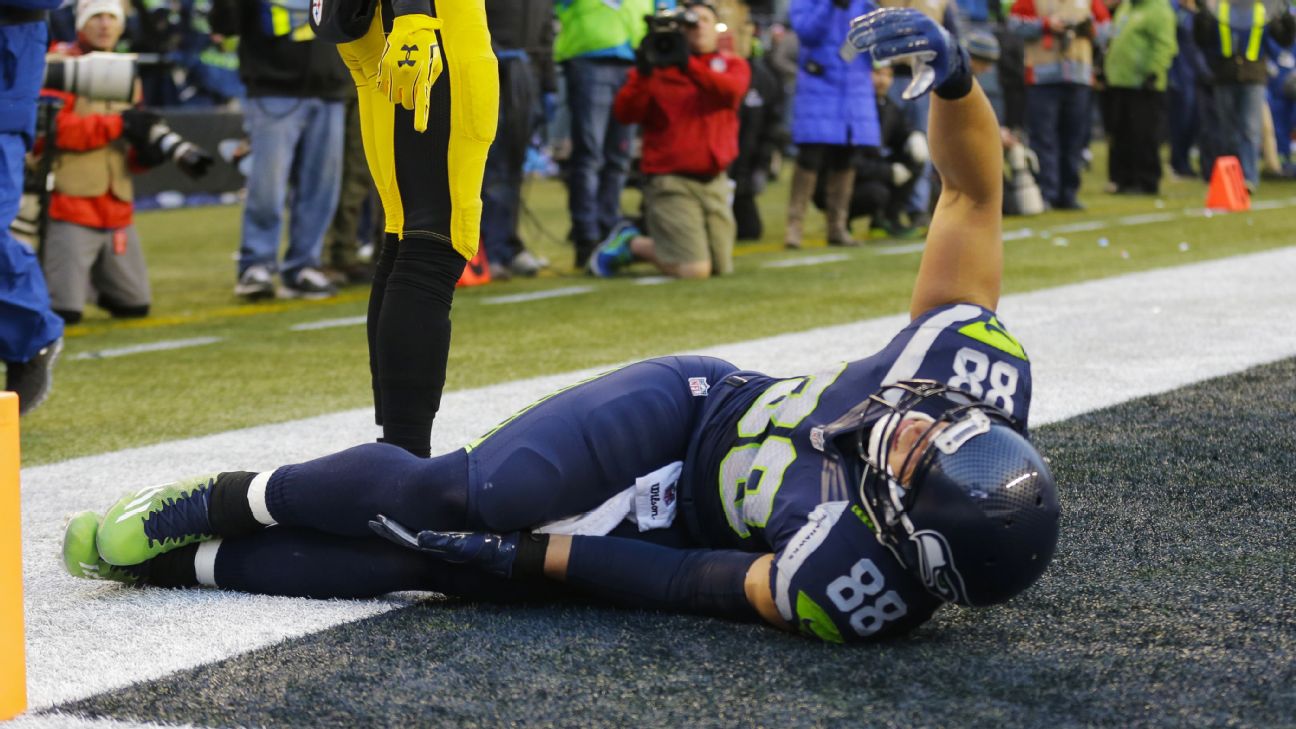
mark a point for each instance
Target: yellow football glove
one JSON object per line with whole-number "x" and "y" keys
{"x": 410, "y": 64}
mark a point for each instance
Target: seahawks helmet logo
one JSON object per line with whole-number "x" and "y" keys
{"x": 936, "y": 567}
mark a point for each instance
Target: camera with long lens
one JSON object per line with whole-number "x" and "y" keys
{"x": 665, "y": 44}
{"x": 100, "y": 75}
{"x": 155, "y": 142}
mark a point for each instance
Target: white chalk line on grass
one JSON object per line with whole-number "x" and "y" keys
{"x": 346, "y": 321}
{"x": 538, "y": 295}
{"x": 807, "y": 261}
{"x": 1092, "y": 345}
{"x": 162, "y": 346}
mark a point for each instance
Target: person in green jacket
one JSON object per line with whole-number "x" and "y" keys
{"x": 1142, "y": 45}
{"x": 595, "y": 48}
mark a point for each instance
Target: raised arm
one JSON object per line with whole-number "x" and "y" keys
{"x": 963, "y": 258}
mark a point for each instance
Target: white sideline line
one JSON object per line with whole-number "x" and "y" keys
{"x": 346, "y": 321}
{"x": 652, "y": 280}
{"x": 1080, "y": 227}
{"x": 1092, "y": 345}
{"x": 806, "y": 261}
{"x": 1146, "y": 218}
{"x": 901, "y": 250}
{"x": 149, "y": 347}
{"x": 1018, "y": 234}
{"x": 537, "y": 295}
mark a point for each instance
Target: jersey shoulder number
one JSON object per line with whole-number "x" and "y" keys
{"x": 834, "y": 580}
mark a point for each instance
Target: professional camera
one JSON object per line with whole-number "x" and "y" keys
{"x": 665, "y": 44}
{"x": 99, "y": 75}
{"x": 155, "y": 142}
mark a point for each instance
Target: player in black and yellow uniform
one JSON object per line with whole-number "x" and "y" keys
{"x": 428, "y": 90}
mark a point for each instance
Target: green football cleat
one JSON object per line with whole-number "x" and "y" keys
{"x": 81, "y": 556}
{"x": 156, "y": 520}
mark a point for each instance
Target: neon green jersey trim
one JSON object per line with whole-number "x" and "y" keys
{"x": 814, "y": 620}
{"x": 993, "y": 334}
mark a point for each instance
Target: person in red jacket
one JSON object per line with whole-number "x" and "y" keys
{"x": 91, "y": 251}
{"x": 689, "y": 115}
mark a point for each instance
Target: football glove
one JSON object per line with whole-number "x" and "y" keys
{"x": 410, "y": 64}
{"x": 904, "y": 35}
{"x": 492, "y": 553}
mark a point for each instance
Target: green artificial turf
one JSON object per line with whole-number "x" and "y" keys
{"x": 260, "y": 371}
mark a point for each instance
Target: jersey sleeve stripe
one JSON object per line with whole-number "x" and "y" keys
{"x": 798, "y": 550}
{"x": 911, "y": 357}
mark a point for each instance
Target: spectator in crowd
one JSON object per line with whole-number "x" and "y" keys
{"x": 784, "y": 52}
{"x": 158, "y": 28}
{"x": 1188, "y": 96}
{"x": 522, "y": 36}
{"x": 834, "y": 114}
{"x": 342, "y": 242}
{"x": 945, "y": 12}
{"x": 91, "y": 250}
{"x": 294, "y": 118}
{"x": 1282, "y": 103}
{"x": 1059, "y": 77}
{"x": 688, "y": 106}
{"x": 1140, "y": 49}
{"x": 885, "y": 176}
{"x": 979, "y": 14}
{"x": 1232, "y": 39}
{"x": 31, "y": 334}
{"x": 1021, "y": 193}
{"x": 761, "y": 137}
{"x": 210, "y": 61}
{"x": 595, "y": 47}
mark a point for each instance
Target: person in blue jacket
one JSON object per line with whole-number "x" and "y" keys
{"x": 833, "y": 112}
{"x": 31, "y": 334}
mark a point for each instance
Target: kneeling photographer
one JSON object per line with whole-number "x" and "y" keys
{"x": 685, "y": 93}
{"x": 90, "y": 250}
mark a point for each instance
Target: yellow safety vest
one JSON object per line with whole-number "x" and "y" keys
{"x": 1253, "y": 39}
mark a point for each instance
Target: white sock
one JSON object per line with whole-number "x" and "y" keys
{"x": 205, "y": 563}
{"x": 257, "y": 498}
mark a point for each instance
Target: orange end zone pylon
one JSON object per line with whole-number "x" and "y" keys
{"x": 13, "y": 662}
{"x": 477, "y": 272}
{"x": 1227, "y": 187}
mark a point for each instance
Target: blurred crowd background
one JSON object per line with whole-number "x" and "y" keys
{"x": 699, "y": 105}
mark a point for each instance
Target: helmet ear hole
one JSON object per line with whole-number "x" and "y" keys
{"x": 1008, "y": 523}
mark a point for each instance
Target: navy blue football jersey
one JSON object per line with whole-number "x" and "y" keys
{"x": 759, "y": 475}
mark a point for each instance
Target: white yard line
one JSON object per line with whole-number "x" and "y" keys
{"x": 309, "y": 326}
{"x": 148, "y": 347}
{"x": 806, "y": 261}
{"x": 1092, "y": 345}
{"x": 537, "y": 295}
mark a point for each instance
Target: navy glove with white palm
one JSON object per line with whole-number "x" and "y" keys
{"x": 493, "y": 553}
{"x": 904, "y": 35}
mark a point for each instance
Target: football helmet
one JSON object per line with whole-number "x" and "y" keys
{"x": 972, "y": 509}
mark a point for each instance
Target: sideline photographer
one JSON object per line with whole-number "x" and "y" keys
{"x": 686, "y": 94}
{"x": 90, "y": 250}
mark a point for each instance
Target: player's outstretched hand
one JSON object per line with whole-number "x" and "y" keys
{"x": 410, "y": 64}
{"x": 493, "y": 553}
{"x": 904, "y": 35}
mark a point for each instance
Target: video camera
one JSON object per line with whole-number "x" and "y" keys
{"x": 665, "y": 44}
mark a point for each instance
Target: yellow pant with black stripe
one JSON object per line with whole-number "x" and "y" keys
{"x": 430, "y": 182}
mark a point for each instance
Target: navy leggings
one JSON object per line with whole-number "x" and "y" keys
{"x": 562, "y": 456}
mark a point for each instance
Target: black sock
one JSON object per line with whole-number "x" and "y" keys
{"x": 413, "y": 339}
{"x": 228, "y": 510}
{"x": 173, "y": 569}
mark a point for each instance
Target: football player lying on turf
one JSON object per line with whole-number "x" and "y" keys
{"x": 850, "y": 503}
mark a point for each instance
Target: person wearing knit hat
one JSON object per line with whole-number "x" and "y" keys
{"x": 99, "y": 24}
{"x": 982, "y": 45}
{"x": 87, "y": 9}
